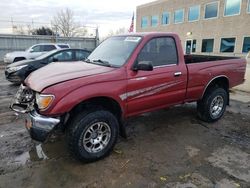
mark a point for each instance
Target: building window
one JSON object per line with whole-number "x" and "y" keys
{"x": 211, "y": 10}
{"x": 246, "y": 45}
{"x": 154, "y": 21}
{"x": 194, "y": 13}
{"x": 207, "y": 45}
{"x": 194, "y": 46}
{"x": 179, "y": 16}
{"x": 232, "y": 7}
{"x": 227, "y": 45}
{"x": 248, "y": 6}
{"x": 166, "y": 18}
{"x": 144, "y": 22}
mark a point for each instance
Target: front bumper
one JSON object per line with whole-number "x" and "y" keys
{"x": 13, "y": 77}
{"x": 40, "y": 126}
{"x": 7, "y": 60}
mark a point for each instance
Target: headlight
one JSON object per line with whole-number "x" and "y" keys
{"x": 44, "y": 100}
{"x": 14, "y": 69}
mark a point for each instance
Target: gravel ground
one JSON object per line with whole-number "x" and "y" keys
{"x": 166, "y": 148}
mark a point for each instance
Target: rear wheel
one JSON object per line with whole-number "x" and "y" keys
{"x": 92, "y": 135}
{"x": 18, "y": 59}
{"x": 213, "y": 105}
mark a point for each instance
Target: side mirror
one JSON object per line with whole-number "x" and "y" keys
{"x": 144, "y": 66}
{"x": 31, "y": 50}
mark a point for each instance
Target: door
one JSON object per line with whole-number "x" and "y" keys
{"x": 164, "y": 85}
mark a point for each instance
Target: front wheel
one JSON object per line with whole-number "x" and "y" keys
{"x": 213, "y": 105}
{"x": 93, "y": 135}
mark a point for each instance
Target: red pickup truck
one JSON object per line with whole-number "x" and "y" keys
{"x": 124, "y": 76}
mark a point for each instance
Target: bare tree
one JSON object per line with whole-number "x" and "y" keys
{"x": 121, "y": 30}
{"x": 64, "y": 23}
{"x": 29, "y": 29}
{"x": 18, "y": 29}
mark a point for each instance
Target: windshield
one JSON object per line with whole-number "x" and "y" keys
{"x": 115, "y": 50}
{"x": 46, "y": 54}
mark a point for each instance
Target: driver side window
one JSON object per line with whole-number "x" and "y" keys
{"x": 160, "y": 51}
{"x": 62, "y": 56}
{"x": 36, "y": 48}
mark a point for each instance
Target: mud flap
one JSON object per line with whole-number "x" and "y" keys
{"x": 122, "y": 129}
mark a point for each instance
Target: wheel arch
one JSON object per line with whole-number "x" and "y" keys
{"x": 102, "y": 102}
{"x": 21, "y": 57}
{"x": 107, "y": 103}
{"x": 218, "y": 81}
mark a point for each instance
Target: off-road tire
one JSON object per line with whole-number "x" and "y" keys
{"x": 204, "y": 106}
{"x": 80, "y": 124}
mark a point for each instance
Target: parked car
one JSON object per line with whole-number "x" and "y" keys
{"x": 32, "y": 52}
{"x": 18, "y": 71}
{"x": 124, "y": 76}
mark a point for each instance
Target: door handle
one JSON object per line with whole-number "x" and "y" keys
{"x": 177, "y": 73}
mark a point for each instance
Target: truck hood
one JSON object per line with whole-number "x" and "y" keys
{"x": 62, "y": 71}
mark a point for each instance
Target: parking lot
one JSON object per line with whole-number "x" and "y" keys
{"x": 166, "y": 148}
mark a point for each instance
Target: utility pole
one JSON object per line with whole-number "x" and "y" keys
{"x": 56, "y": 33}
{"x": 32, "y": 25}
{"x": 12, "y": 25}
{"x": 97, "y": 36}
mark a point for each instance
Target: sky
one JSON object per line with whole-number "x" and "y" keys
{"x": 108, "y": 15}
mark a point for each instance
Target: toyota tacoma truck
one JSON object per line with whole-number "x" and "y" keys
{"x": 124, "y": 76}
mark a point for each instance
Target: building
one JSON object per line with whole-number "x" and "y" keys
{"x": 220, "y": 27}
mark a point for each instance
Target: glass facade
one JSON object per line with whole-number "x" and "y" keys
{"x": 227, "y": 45}
{"x": 144, "y": 22}
{"x": 246, "y": 45}
{"x": 211, "y": 10}
{"x": 179, "y": 16}
{"x": 154, "y": 21}
{"x": 166, "y": 18}
{"x": 207, "y": 45}
{"x": 194, "y": 13}
{"x": 248, "y": 6}
{"x": 232, "y": 7}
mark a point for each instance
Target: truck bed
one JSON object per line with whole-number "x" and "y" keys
{"x": 205, "y": 58}
{"x": 202, "y": 69}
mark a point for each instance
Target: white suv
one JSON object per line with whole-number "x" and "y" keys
{"x": 32, "y": 52}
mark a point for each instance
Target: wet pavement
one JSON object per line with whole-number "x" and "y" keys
{"x": 166, "y": 148}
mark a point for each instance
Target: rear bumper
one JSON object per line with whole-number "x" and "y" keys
{"x": 40, "y": 126}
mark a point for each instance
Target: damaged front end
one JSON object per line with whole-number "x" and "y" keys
{"x": 39, "y": 126}
{"x": 24, "y": 100}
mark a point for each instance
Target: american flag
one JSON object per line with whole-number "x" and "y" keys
{"x": 131, "y": 29}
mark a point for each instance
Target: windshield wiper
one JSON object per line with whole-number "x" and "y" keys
{"x": 106, "y": 63}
